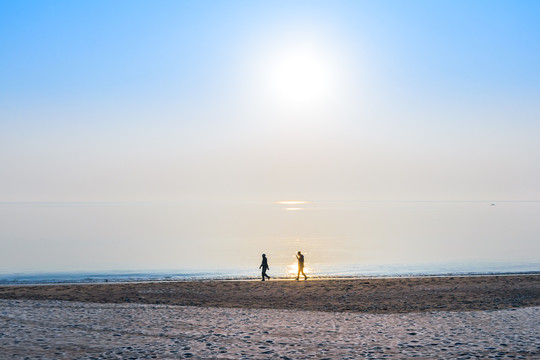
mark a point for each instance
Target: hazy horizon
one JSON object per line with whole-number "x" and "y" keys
{"x": 164, "y": 135}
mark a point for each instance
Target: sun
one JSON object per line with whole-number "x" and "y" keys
{"x": 300, "y": 76}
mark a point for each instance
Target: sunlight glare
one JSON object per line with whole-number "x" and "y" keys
{"x": 293, "y": 269}
{"x": 300, "y": 76}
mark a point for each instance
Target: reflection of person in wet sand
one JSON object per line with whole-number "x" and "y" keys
{"x": 300, "y": 258}
{"x": 264, "y": 267}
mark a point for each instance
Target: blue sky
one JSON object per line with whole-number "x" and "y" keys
{"x": 255, "y": 102}
{"x": 94, "y": 48}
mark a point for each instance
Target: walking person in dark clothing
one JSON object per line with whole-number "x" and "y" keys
{"x": 300, "y": 258}
{"x": 264, "y": 267}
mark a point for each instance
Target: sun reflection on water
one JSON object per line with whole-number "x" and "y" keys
{"x": 292, "y": 202}
{"x": 293, "y": 269}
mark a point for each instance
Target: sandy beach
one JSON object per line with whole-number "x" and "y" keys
{"x": 53, "y": 329}
{"x": 375, "y": 295}
{"x": 422, "y": 318}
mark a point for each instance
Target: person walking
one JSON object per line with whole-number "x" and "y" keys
{"x": 264, "y": 267}
{"x": 300, "y": 259}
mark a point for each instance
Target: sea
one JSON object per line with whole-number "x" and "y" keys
{"x": 314, "y": 272}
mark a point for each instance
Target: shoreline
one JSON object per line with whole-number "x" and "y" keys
{"x": 364, "y": 295}
{"x": 274, "y": 278}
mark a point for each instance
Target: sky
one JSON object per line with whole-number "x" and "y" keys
{"x": 165, "y": 134}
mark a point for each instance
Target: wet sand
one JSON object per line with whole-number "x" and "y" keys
{"x": 425, "y": 318}
{"x": 382, "y": 295}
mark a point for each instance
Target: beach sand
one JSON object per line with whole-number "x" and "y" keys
{"x": 380, "y": 295}
{"x": 53, "y": 329}
{"x": 400, "y": 318}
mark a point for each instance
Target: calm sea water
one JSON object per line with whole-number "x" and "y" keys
{"x": 225, "y": 239}
{"x": 316, "y": 271}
